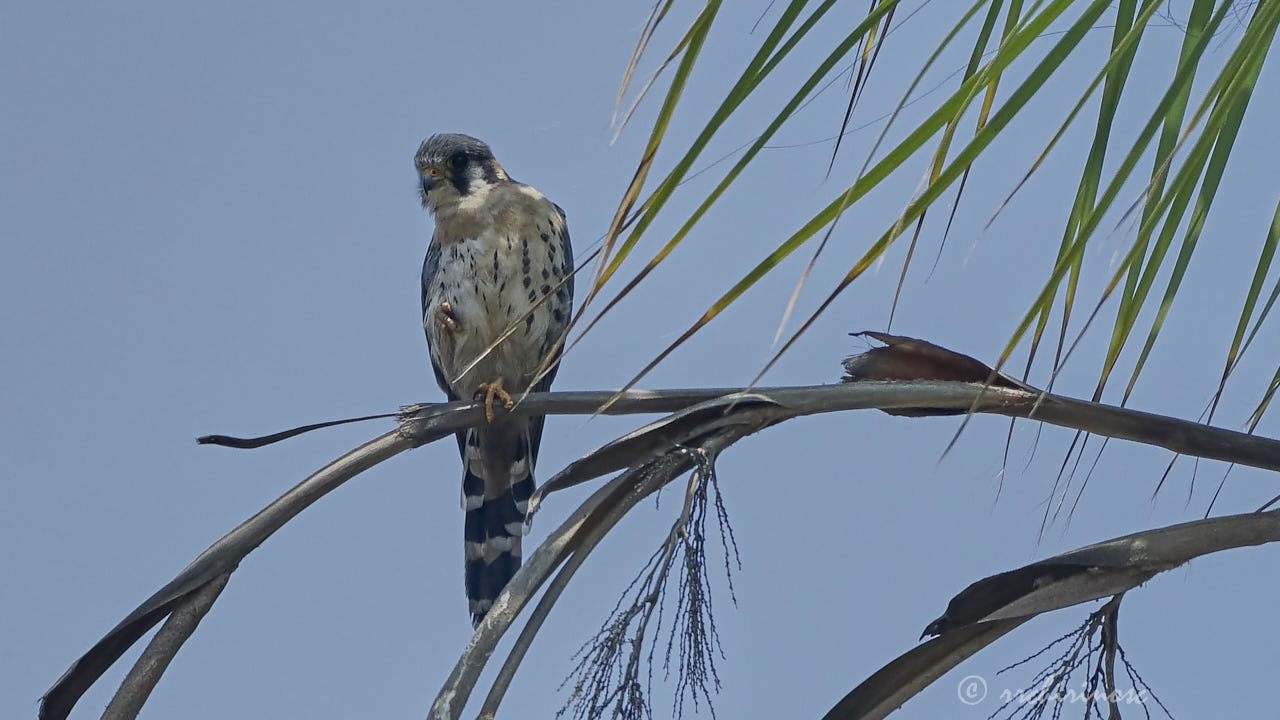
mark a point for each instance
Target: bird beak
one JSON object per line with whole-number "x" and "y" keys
{"x": 428, "y": 182}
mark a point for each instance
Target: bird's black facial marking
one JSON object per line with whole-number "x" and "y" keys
{"x": 458, "y": 175}
{"x": 465, "y": 169}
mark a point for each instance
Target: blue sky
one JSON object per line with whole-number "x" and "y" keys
{"x": 210, "y": 225}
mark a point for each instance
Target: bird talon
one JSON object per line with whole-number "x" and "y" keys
{"x": 446, "y": 319}
{"x": 490, "y": 391}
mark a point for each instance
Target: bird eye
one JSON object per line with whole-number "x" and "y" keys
{"x": 458, "y": 161}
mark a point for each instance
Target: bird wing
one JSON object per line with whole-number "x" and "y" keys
{"x": 430, "y": 266}
{"x": 543, "y": 385}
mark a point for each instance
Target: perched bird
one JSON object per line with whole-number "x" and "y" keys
{"x": 499, "y": 260}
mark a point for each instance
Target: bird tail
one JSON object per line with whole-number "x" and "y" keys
{"x": 497, "y": 483}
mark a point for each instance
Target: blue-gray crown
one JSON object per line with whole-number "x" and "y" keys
{"x": 445, "y": 145}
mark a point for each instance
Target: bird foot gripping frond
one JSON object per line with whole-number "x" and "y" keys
{"x": 489, "y": 391}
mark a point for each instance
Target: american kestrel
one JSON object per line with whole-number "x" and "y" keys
{"x": 500, "y": 256}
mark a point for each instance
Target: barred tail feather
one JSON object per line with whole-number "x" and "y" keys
{"x": 495, "y": 518}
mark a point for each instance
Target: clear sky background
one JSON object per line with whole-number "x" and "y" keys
{"x": 210, "y": 224}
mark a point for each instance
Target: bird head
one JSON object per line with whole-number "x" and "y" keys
{"x": 452, "y": 167}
